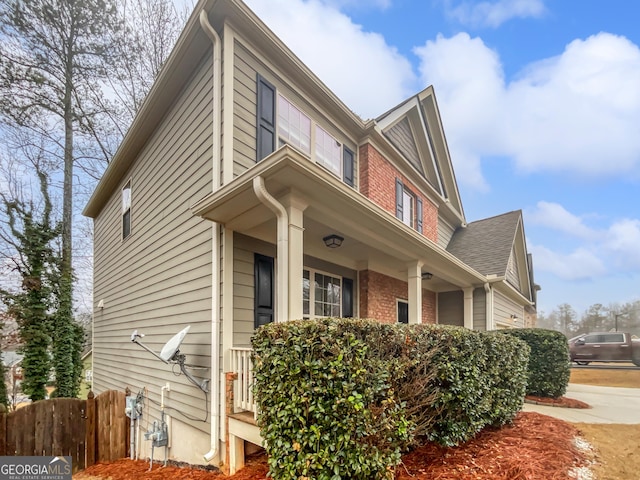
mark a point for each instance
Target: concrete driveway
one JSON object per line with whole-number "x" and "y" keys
{"x": 609, "y": 405}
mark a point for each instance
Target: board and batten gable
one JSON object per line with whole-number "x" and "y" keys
{"x": 158, "y": 280}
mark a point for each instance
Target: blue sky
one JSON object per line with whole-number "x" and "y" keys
{"x": 540, "y": 102}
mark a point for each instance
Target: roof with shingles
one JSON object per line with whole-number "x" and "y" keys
{"x": 486, "y": 245}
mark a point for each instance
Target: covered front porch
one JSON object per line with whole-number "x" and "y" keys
{"x": 280, "y": 211}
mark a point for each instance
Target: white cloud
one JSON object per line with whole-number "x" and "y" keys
{"x": 623, "y": 242}
{"x": 360, "y": 67}
{"x": 556, "y": 217}
{"x": 494, "y": 14}
{"x": 580, "y": 264}
{"x": 578, "y": 112}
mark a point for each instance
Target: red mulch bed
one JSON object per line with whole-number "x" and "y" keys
{"x": 534, "y": 447}
{"x": 557, "y": 402}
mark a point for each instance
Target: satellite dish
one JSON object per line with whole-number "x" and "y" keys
{"x": 171, "y": 347}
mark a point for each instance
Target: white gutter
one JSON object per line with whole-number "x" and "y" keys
{"x": 215, "y": 250}
{"x": 282, "y": 275}
{"x": 488, "y": 306}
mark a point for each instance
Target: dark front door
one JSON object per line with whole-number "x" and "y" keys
{"x": 403, "y": 312}
{"x": 263, "y": 290}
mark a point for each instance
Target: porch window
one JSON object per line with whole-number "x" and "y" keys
{"x": 321, "y": 295}
{"x": 126, "y": 210}
{"x": 294, "y": 127}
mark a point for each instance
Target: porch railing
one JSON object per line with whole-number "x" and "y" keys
{"x": 241, "y": 365}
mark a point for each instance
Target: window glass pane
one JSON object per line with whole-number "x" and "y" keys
{"x": 328, "y": 151}
{"x": 294, "y": 127}
{"x": 305, "y": 292}
{"x": 407, "y": 208}
{"x": 327, "y": 295}
{"x": 614, "y": 338}
{"x": 126, "y": 197}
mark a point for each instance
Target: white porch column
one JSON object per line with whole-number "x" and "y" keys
{"x": 414, "y": 283}
{"x": 468, "y": 307}
{"x": 295, "y": 207}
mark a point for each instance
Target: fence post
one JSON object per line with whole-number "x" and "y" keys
{"x": 3, "y": 430}
{"x": 91, "y": 432}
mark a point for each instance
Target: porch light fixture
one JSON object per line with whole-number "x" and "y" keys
{"x": 427, "y": 275}
{"x": 333, "y": 240}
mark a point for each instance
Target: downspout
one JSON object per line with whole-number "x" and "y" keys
{"x": 215, "y": 267}
{"x": 282, "y": 283}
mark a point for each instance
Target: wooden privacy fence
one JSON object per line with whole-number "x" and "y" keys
{"x": 90, "y": 431}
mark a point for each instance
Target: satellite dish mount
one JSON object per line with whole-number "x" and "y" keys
{"x": 170, "y": 354}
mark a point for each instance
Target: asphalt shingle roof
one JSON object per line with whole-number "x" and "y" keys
{"x": 485, "y": 245}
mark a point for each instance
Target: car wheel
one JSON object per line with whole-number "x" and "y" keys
{"x": 582, "y": 363}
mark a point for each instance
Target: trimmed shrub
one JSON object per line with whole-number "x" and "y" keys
{"x": 326, "y": 402}
{"x": 549, "y": 366}
{"x": 475, "y": 386}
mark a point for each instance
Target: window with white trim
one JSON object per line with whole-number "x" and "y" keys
{"x": 290, "y": 125}
{"x": 408, "y": 206}
{"x": 321, "y": 294}
{"x": 408, "y": 202}
{"x": 328, "y": 151}
{"x": 294, "y": 127}
{"x": 126, "y": 210}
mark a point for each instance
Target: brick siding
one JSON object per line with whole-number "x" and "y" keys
{"x": 378, "y": 183}
{"x": 379, "y": 293}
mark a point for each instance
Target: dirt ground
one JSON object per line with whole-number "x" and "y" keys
{"x": 535, "y": 447}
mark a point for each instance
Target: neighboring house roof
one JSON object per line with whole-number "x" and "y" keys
{"x": 486, "y": 245}
{"x": 11, "y": 358}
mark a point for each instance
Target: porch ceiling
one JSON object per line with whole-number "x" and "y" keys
{"x": 374, "y": 238}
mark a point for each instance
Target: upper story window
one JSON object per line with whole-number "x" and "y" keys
{"x": 294, "y": 127}
{"x": 126, "y": 210}
{"x": 328, "y": 151}
{"x": 408, "y": 206}
{"x": 290, "y": 125}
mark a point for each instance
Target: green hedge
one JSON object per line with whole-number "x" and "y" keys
{"x": 480, "y": 380}
{"x": 327, "y": 408}
{"x": 341, "y": 398}
{"x": 549, "y": 366}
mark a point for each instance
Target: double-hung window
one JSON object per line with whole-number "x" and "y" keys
{"x": 126, "y": 210}
{"x": 321, "y": 294}
{"x": 294, "y": 127}
{"x": 408, "y": 206}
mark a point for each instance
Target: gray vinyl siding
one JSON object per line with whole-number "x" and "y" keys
{"x": 504, "y": 307}
{"x": 445, "y": 232}
{"x": 244, "y": 110}
{"x": 513, "y": 276}
{"x": 244, "y": 250}
{"x": 158, "y": 280}
{"x": 451, "y": 308}
{"x": 246, "y": 68}
{"x": 401, "y": 137}
{"x": 479, "y": 309}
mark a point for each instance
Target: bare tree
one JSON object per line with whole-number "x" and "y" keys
{"x": 53, "y": 56}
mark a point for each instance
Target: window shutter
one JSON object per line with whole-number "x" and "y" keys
{"x": 348, "y": 167}
{"x": 266, "y": 118}
{"x": 347, "y": 298}
{"x": 419, "y": 214}
{"x": 399, "y": 190}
